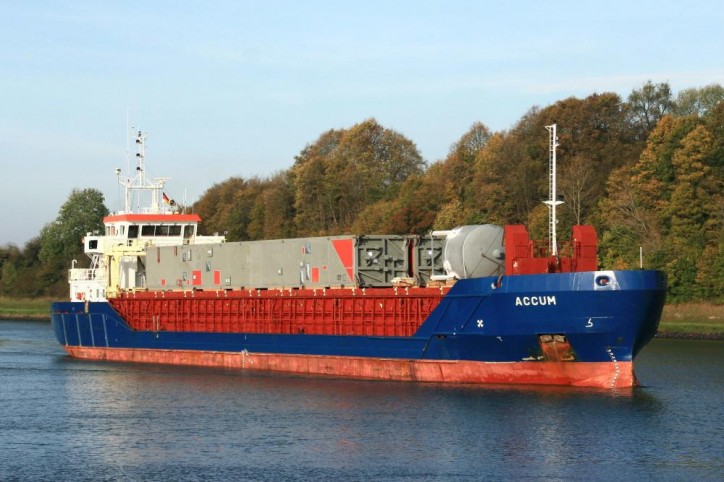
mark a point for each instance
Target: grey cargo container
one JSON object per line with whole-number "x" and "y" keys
{"x": 364, "y": 261}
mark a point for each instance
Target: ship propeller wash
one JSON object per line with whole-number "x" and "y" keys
{"x": 475, "y": 304}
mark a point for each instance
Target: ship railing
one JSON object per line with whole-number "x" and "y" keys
{"x": 85, "y": 274}
{"x": 149, "y": 210}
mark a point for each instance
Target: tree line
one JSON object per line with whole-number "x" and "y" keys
{"x": 647, "y": 171}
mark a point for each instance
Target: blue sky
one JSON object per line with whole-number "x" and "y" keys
{"x": 238, "y": 88}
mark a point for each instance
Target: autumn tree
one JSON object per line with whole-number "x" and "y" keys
{"x": 496, "y": 201}
{"x": 272, "y": 215}
{"x": 690, "y": 212}
{"x": 217, "y": 208}
{"x": 594, "y": 139}
{"x": 345, "y": 171}
{"x": 312, "y": 202}
{"x": 460, "y": 161}
{"x": 421, "y": 200}
{"x": 511, "y": 172}
{"x": 630, "y": 213}
{"x": 577, "y": 186}
{"x": 669, "y": 203}
{"x": 629, "y": 219}
{"x": 714, "y": 121}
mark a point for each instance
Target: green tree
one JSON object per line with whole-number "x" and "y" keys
{"x": 82, "y": 213}
{"x": 710, "y": 270}
{"x": 647, "y": 105}
{"x": 9, "y": 256}
{"x": 22, "y": 274}
{"x": 698, "y": 101}
{"x": 62, "y": 240}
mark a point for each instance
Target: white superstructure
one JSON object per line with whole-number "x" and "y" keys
{"x": 149, "y": 218}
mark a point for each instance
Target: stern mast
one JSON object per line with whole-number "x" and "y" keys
{"x": 552, "y": 201}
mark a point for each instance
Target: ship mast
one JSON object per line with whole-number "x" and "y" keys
{"x": 140, "y": 183}
{"x": 552, "y": 201}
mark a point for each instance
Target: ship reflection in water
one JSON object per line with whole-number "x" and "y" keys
{"x": 149, "y": 416}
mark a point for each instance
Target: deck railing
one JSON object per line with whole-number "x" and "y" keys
{"x": 81, "y": 274}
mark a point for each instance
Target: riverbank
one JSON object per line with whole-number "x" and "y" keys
{"x": 25, "y": 308}
{"x": 692, "y": 321}
{"x": 704, "y": 321}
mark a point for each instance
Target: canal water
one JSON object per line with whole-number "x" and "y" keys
{"x": 66, "y": 419}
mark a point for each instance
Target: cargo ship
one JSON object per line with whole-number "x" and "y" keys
{"x": 474, "y": 304}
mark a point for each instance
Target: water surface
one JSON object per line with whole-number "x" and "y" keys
{"x": 66, "y": 419}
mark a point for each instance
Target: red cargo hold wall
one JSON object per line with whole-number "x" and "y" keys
{"x": 370, "y": 312}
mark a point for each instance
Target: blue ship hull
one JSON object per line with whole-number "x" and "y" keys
{"x": 516, "y": 329}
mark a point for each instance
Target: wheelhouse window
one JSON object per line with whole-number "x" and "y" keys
{"x": 132, "y": 231}
{"x": 161, "y": 230}
{"x": 189, "y": 230}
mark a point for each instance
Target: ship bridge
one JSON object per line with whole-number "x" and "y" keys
{"x": 144, "y": 230}
{"x": 149, "y": 218}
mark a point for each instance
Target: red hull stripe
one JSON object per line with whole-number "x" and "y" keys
{"x": 583, "y": 374}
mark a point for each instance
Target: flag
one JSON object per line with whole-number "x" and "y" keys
{"x": 165, "y": 199}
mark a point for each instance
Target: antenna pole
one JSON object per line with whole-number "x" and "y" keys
{"x": 553, "y": 201}
{"x": 140, "y": 185}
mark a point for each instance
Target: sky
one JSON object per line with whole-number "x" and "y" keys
{"x": 238, "y": 88}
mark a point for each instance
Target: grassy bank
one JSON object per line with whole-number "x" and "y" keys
{"x": 25, "y": 308}
{"x": 693, "y": 319}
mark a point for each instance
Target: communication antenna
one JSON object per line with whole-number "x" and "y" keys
{"x": 140, "y": 185}
{"x": 552, "y": 201}
{"x": 129, "y": 129}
